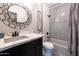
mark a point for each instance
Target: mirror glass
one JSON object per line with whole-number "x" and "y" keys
{"x": 17, "y": 13}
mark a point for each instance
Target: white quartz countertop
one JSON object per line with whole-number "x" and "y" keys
{"x": 32, "y": 36}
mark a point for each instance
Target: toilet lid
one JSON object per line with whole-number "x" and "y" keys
{"x": 48, "y": 45}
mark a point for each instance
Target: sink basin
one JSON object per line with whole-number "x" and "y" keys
{"x": 7, "y": 40}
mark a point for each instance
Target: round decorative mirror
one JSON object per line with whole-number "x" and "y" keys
{"x": 2, "y": 13}
{"x": 17, "y": 16}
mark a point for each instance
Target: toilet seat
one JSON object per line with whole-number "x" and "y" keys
{"x": 48, "y": 45}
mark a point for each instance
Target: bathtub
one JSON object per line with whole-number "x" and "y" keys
{"x": 60, "y": 47}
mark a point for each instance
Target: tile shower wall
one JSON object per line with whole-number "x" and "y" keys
{"x": 59, "y": 22}
{"x": 33, "y": 26}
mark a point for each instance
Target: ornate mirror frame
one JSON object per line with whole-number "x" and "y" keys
{"x": 7, "y": 20}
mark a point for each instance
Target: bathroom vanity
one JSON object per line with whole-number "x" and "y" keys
{"x": 18, "y": 17}
{"x": 31, "y": 46}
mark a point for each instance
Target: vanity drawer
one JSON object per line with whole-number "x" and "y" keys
{"x": 30, "y": 45}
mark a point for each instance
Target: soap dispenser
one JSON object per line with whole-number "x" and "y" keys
{"x": 1, "y": 35}
{"x": 48, "y": 37}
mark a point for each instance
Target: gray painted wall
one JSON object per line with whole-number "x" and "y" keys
{"x": 45, "y": 19}
{"x": 59, "y": 22}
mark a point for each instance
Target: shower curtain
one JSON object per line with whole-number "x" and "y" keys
{"x": 73, "y": 21}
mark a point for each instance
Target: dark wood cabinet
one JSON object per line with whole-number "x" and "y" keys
{"x": 33, "y": 48}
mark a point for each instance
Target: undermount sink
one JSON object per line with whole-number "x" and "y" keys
{"x": 7, "y": 40}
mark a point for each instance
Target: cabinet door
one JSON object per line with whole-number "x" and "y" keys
{"x": 32, "y": 48}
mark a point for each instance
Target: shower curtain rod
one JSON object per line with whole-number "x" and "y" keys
{"x": 56, "y": 6}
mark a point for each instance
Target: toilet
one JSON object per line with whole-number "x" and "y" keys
{"x": 48, "y": 49}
